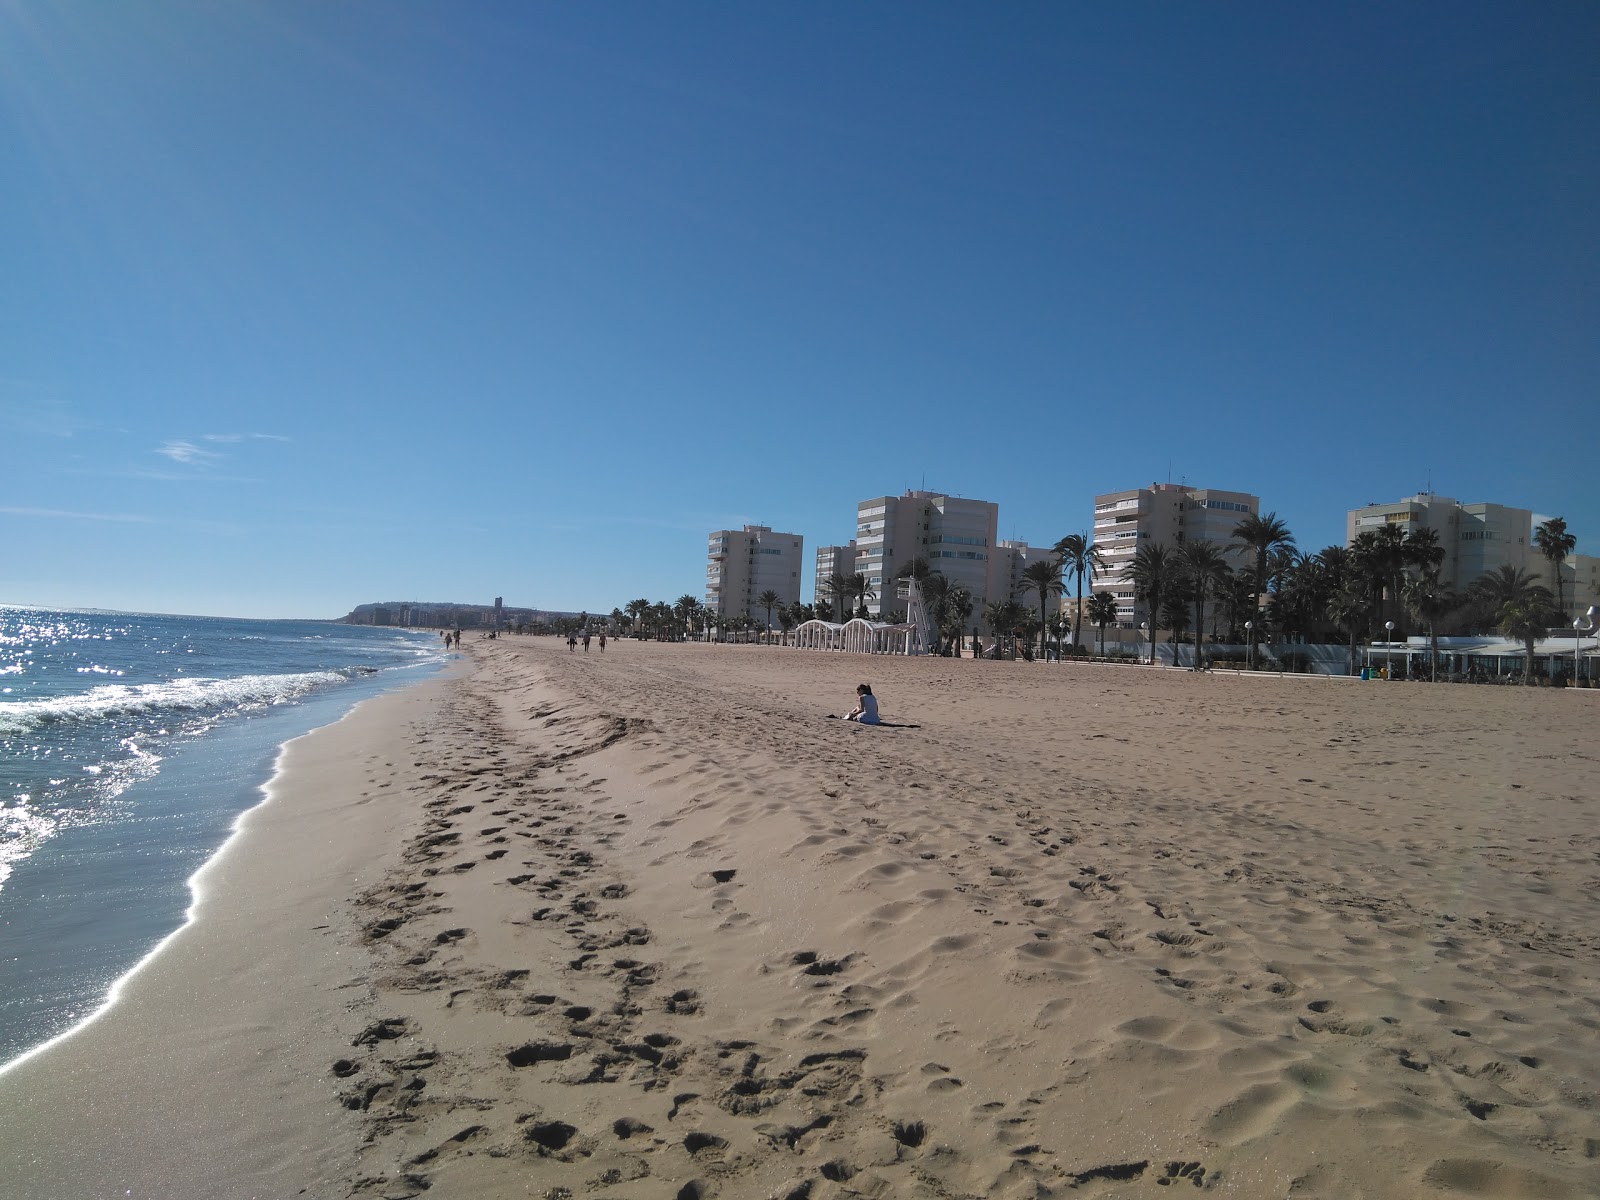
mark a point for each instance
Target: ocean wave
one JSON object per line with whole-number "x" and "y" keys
{"x": 178, "y": 695}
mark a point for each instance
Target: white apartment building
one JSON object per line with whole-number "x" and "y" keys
{"x": 1163, "y": 514}
{"x": 955, "y": 535}
{"x": 1478, "y": 539}
{"x": 1011, "y": 560}
{"x": 831, "y": 561}
{"x": 744, "y": 563}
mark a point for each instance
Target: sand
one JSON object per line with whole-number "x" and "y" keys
{"x": 645, "y": 924}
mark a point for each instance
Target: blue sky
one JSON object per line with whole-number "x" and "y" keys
{"x": 310, "y": 304}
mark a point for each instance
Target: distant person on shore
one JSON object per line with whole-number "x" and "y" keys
{"x": 572, "y": 641}
{"x": 602, "y": 641}
{"x": 586, "y": 641}
{"x": 977, "y": 645}
{"x": 866, "y": 710}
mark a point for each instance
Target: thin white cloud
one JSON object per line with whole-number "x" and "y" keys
{"x": 240, "y": 437}
{"x": 187, "y": 452}
{"x": 63, "y": 514}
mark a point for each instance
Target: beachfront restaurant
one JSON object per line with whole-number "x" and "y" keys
{"x": 1488, "y": 657}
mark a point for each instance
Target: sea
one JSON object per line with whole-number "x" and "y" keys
{"x": 130, "y": 745}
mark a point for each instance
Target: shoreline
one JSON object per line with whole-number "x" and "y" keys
{"x": 209, "y": 1034}
{"x": 645, "y": 921}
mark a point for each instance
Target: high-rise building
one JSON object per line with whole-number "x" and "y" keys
{"x": 955, "y": 535}
{"x": 1478, "y": 539}
{"x": 744, "y": 563}
{"x": 1163, "y": 514}
{"x": 831, "y": 561}
{"x": 1011, "y": 559}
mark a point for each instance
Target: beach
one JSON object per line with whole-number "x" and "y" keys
{"x": 645, "y": 923}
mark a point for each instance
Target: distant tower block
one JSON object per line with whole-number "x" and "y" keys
{"x": 498, "y": 605}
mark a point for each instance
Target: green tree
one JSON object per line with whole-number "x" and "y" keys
{"x": 861, "y": 591}
{"x": 1081, "y": 559}
{"x": 687, "y": 610}
{"x": 1044, "y": 576}
{"x": 1380, "y": 557}
{"x": 1520, "y": 606}
{"x": 1555, "y": 543}
{"x": 1204, "y": 570}
{"x": 837, "y": 590}
{"x": 1427, "y": 601}
{"x": 955, "y": 608}
{"x": 769, "y": 600}
{"x": 638, "y": 610}
{"x": 1154, "y": 574}
{"x": 1175, "y": 616}
{"x": 1265, "y": 535}
{"x": 1003, "y": 617}
{"x": 1350, "y": 607}
{"x": 1102, "y": 611}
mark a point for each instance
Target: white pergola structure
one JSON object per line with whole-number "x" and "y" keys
{"x": 913, "y": 636}
{"x": 856, "y": 637}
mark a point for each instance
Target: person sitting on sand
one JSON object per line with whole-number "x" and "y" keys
{"x": 866, "y": 710}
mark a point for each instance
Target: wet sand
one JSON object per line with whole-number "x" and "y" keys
{"x": 645, "y": 924}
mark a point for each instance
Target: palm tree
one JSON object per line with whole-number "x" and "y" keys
{"x": 1350, "y": 609}
{"x": 1380, "y": 556}
{"x": 1264, "y": 535}
{"x": 661, "y": 619}
{"x": 1555, "y": 543}
{"x": 687, "y": 610}
{"x": 1520, "y": 606}
{"x": 637, "y": 610}
{"x": 862, "y": 591}
{"x": 838, "y": 592}
{"x": 1153, "y": 574}
{"x": 1428, "y": 601}
{"x": 938, "y": 596}
{"x": 1175, "y": 616}
{"x": 1044, "y": 576}
{"x": 1423, "y": 551}
{"x": 769, "y": 600}
{"x": 1002, "y": 617}
{"x": 1081, "y": 558}
{"x": 1205, "y": 569}
{"x": 1102, "y": 611}
{"x": 954, "y": 609}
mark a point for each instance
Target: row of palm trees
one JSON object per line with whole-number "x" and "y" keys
{"x": 688, "y": 618}
{"x": 1257, "y": 583}
{"x": 1387, "y": 579}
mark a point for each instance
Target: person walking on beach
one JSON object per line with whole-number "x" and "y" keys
{"x": 586, "y": 641}
{"x": 866, "y": 710}
{"x": 602, "y": 641}
{"x": 572, "y": 641}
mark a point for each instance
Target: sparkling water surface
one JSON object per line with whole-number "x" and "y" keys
{"x": 129, "y": 745}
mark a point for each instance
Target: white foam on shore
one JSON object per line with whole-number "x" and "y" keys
{"x": 197, "y": 892}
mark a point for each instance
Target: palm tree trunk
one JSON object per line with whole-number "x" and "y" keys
{"x": 1077, "y": 616}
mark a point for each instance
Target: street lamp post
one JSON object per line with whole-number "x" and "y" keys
{"x": 1144, "y": 626}
{"x": 1388, "y": 650}
{"x": 1250, "y": 651}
